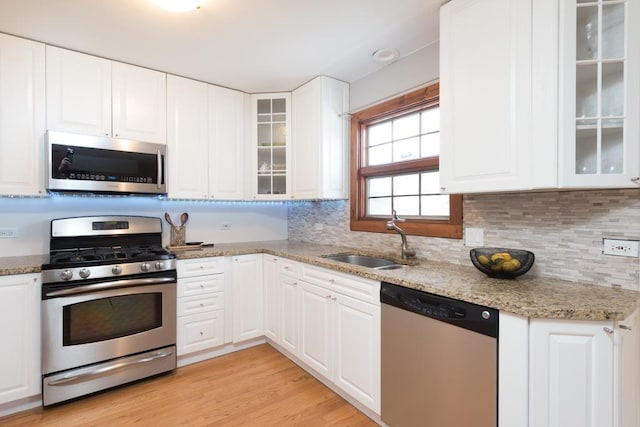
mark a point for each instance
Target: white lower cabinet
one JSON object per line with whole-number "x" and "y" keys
{"x": 247, "y": 289}
{"x": 281, "y": 302}
{"x": 340, "y": 334}
{"x": 200, "y": 304}
{"x": 20, "y": 362}
{"x": 583, "y": 373}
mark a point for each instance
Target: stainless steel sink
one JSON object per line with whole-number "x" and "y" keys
{"x": 366, "y": 261}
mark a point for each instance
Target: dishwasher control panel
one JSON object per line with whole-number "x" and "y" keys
{"x": 467, "y": 315}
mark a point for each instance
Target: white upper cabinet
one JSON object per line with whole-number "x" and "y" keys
{"x": 226, "y": 143}
{"x": 486, "y": 97}
{"x": 269, "y": 168}
{"x": 81, "y": 89}
{"x": 320, "y": 140}
{"x": 187, "y": 138}
{"x": 78, "y": 92}
{"x": 599, "y": 92}
{"x": 549, "y": 101}
{"x": 205, "y": 138}
{"x": 22, "y": 116}
{"x": 139, "y": 103}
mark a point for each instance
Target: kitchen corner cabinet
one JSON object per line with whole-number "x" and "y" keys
{"x": 599, "y": 92}
{"x": 320, "y": 135}
{"x": 248, "y": 297}
{"x": 20, "y": 337}
{"x": 200, "y": 304}
{"x": 340, "y": 331}
{"x": 281, "y": 302}
{"x": 95, "y": 96}
{"x": 22, "y": 116}
{"x": 583, "y": 373}
{"x": 269, "y": 168}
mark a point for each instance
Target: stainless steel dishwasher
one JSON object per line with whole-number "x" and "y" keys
{"x": 439, "y": 360}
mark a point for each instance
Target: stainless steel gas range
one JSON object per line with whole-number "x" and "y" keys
{"x": 108, "y": 305}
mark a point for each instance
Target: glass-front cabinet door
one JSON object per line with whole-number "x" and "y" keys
{"x": 599, "y": 86}
{"x": 271, "y": 139}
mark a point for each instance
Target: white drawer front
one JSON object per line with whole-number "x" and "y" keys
{"x": 200, "y": 304}
{"x": 363, "y": 289}
{"x": 289, "y": 267}
{"x": 200, "y": 285}
{"x": 200, "y": 266}
{"x": 200, "y": 332}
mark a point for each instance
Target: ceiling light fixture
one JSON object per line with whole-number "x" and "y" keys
{"x": 385, "y": 55}
{"x": 179, "y": 5}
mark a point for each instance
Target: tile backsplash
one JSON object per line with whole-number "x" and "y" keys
{"x": 564, "y": 229}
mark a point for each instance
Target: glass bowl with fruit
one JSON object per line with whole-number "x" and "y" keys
{"x": 502, "y": 263}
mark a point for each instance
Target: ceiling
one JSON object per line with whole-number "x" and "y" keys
{"x": 249, "y": 45}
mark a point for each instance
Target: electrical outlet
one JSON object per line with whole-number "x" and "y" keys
{"x": 474, "y": 237}
{"x": 226, "y": 226}
{"x": 628, "y": 248}
{"x": 8, "y": 233}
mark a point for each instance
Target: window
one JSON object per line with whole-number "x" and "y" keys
{"x": 395, "y": 148}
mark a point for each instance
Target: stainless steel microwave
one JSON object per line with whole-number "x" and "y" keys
{"x": 96, "y": 164}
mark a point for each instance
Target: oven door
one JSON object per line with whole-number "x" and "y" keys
{"x": 89, "y": 327}
{"x": 104, "y": 165}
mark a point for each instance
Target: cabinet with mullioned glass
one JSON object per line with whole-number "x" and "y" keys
{"x": 599, "y": 135}
{"x": 271, "y": 136}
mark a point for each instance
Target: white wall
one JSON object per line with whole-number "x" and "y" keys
{"x": 404, "y": 75}
{"x": 250, "y": 221}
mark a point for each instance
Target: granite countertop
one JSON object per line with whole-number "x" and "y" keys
{"x": 526, "y": 296}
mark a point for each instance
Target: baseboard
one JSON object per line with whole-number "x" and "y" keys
{"x": 199, "y": 356}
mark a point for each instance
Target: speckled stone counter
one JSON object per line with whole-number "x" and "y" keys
{"x": 525, "y": 296}
{"x": 22, "y": 264}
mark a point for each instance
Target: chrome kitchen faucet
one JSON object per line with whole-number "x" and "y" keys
{"x": 407, "y": 252}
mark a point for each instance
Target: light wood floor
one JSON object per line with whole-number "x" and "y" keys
{"x": 253, "y": 387}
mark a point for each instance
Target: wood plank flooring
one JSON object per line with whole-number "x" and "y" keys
{"x": 253, "y": 387}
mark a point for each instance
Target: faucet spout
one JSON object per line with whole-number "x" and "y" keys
{"x": 407, "y": 252}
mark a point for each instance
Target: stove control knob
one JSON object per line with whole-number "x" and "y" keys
{"x": 84, "y": 273}
{"x": 145, "y": 266}
{"x": 116, "y": 269}
{"x": 159, "y": 265}
{"x": 66, "y": 275}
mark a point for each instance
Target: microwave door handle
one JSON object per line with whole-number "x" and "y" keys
{"x": 159, "y": 160}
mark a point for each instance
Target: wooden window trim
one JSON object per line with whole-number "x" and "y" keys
{"x": 451, "y": 228}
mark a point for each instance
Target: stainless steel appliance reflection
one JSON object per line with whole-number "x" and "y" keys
{"x": 108, "y": 305}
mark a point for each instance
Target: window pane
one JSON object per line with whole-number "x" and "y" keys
{"x": 406, "y": 127}
{"x": 431, "y": 120}
{"x": 430, "y": 182}
{"x": 435, "y": 205}
{"x": 407, "y": 205}
{"x": 406, "y": 149}
{"x": 378, "y": 134}
{"x": 379, "y": 207}
{"x": 377, "y": 187}
{"x": 379, "y": 155}
{"x": 406, "y": 185}
{"x": 430, "y": 145}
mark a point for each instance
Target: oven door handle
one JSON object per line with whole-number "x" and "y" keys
{"x": 105, "y": 369}
{"x": 126, "y": 283}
